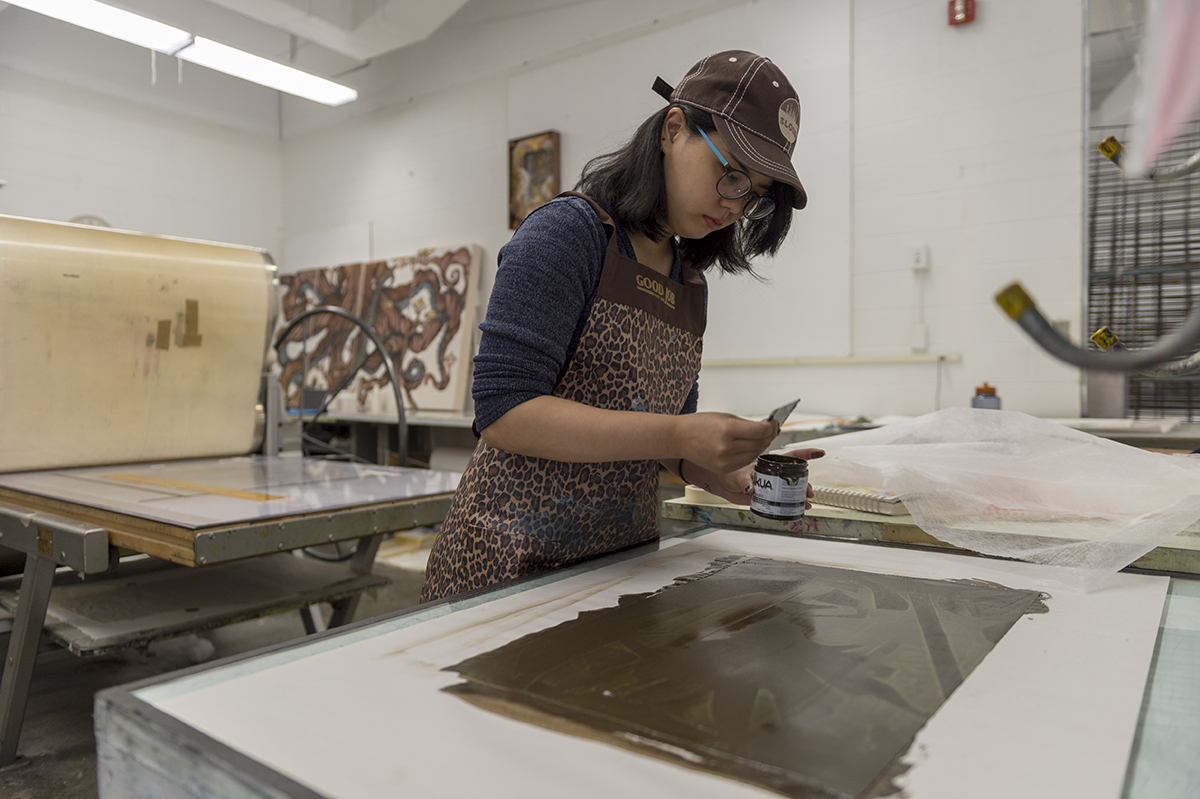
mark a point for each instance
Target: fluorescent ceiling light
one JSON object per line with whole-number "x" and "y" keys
{"x": 241, "y": 64}
{"x": 111, "y": 22}
{"x": 145, "y": 32}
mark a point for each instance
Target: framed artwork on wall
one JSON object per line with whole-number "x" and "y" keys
{"x": 421, "y": 306}
{"x": 533, "y": 174}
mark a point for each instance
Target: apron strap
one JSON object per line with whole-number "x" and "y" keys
{"x": 610, "y": 225}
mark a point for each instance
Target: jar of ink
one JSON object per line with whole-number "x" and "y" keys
{"x": 986, "y": 397}
{"x": 780, "y": 487}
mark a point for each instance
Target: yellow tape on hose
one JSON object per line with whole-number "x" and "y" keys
{"x": 1110, "y": 147}
{"x": 1014, "y": 300}
{"x": 1105, "y": 338}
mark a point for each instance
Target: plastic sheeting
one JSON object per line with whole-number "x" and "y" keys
{"x": 1007, "y": 484}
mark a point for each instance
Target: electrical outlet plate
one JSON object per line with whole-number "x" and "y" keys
{"x": 918, "y": 257}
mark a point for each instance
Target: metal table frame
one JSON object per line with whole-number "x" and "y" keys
{"x": 50, "y": 541}
{"x": 121, "y": 708}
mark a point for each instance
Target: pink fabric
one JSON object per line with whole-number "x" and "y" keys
{"x": 1171, "y": 93}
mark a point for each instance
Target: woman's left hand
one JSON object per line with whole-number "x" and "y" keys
{"x": 738, "y": 486}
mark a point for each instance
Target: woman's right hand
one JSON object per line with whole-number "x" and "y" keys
{"x": 722, "y": 442}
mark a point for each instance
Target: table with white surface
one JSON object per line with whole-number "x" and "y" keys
{"x": 1092, "y": 699}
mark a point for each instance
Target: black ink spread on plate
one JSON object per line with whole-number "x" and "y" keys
{"x": 808, "y": 680}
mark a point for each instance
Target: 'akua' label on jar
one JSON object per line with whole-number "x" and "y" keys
{"x": 780, "y": 487}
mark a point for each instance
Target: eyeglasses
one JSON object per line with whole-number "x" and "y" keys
{"x": 735, "y": 184}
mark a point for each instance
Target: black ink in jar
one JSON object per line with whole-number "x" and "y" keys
{"x": 780, "y": 487}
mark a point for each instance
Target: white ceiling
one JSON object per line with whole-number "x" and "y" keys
{"x": 479, "y": 40}
{"x": 360, "y": 29}
{"x": 336, "y": 38}
{"x": 324, "y": 37}
{"x": 355, "y": 31}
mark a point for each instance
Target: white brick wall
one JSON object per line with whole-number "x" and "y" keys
{"x": 67, "y": 152}
{"x": 968, "y": 140}
{"x": 597, "y": 100}
{"x": 430, "y": 173}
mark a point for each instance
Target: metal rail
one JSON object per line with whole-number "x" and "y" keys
{"x": 383, "y": 353}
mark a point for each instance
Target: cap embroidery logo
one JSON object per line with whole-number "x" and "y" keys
{"x": 789, "y": 119}
{"x": 656, "y": 290}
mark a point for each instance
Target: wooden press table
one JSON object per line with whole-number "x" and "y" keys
{"x": 223, "y": 515}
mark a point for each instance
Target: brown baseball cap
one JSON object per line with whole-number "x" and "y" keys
{"x": 755, "y": 109}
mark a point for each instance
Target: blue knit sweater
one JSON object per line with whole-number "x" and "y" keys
{"x": 545, "y": 286}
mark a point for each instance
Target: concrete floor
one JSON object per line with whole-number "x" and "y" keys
{"x": 58, "y": 747}
{"x": 57, "y": 742}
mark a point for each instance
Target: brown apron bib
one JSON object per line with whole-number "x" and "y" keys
{"x": 515, "y": 515}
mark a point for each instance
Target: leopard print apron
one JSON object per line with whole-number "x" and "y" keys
{"x": 515, "y": 515}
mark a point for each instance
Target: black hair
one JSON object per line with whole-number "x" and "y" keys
{"x": 630, "y": 184}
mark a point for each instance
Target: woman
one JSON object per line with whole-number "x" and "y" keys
{"x": 586, "y": 375}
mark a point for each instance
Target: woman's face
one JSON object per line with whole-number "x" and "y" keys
{"x": 691, "y": 170}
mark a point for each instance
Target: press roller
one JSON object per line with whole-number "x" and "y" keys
{"x": 120, "y": 347}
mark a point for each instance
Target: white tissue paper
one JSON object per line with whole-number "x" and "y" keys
{"x": 1008, "y": 484}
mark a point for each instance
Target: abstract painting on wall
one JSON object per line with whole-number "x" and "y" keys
{"x": 533, "y": 174}
{"x": 422, "y": 307}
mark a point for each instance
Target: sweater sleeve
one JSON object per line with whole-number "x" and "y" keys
{"x": 545, "y": 283}
{"x": 693, "y": 399}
